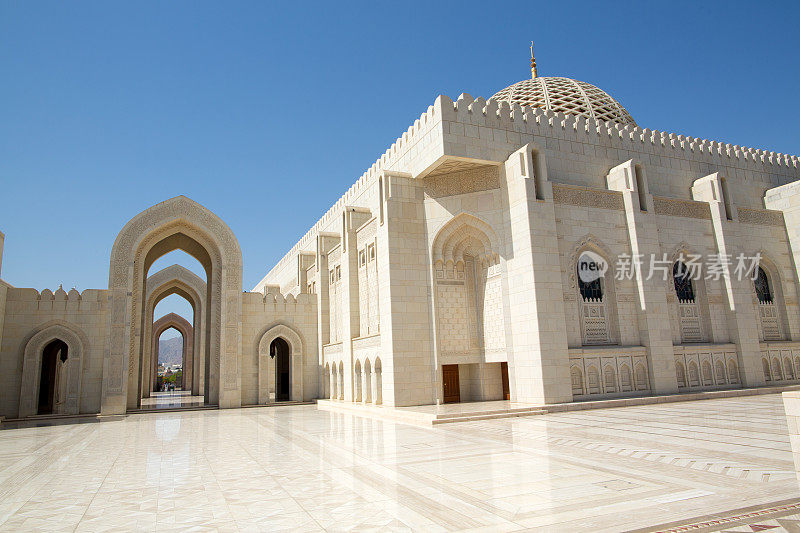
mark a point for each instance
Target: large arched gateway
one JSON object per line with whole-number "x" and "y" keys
{"x": 178, "y": 223}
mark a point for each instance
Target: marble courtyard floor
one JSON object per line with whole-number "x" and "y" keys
{"x": 298, "y": 468}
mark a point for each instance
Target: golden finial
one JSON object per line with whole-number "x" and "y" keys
{"x": 533, "y": 63}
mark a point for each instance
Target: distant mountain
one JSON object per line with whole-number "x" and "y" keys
{"x": 170, "y": 351}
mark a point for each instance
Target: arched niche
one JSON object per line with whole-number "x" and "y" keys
{"x": 467, "y": 277}
{"x": 176, "y": 279}
{"x": 77, "y": 346}
{"x": 266, "y": 364}
{"x": 182, "y": 326}
{"x": 178, "y": 223}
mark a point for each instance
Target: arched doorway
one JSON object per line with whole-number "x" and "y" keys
{"x": 54, "y": 356}
{"x": 176, "y": 224}
{"x": 279, "y": 351}
{"x": 51, "y": 370}
{"x": 280, "y": 364}
{"x": 176, "y": 282}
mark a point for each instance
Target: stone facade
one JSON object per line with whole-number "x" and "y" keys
{"x": 448, "y": 272}
{"x": 480, "y": 213}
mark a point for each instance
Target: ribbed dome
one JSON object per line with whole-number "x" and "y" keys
{"x": 566, "y": 95}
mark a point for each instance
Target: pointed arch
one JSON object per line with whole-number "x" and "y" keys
{"x": 465, "y": 233}
{"x": 77, "y": 344}
{"x": 266, "y": 364}
{"x": 178, "y": 223}
{"x": 176, "y": 279}
{"x": 182, "y": 326}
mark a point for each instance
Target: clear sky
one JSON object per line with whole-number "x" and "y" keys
{"x": 266, "y": 112}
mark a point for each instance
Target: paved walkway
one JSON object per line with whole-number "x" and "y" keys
{"x": 298, "y": 468}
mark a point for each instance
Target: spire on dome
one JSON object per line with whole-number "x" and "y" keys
{"x": 533, "y": 63}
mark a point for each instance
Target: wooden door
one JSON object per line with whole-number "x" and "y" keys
{"x": 452, "y": 394}
{"x": 504, "y": 374}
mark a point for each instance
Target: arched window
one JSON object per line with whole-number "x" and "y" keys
{"x": 682, "y": 277}
{"x": 592, "y": 290}
{"x": 762, "y": 287}
{"x": 765, "y": 367}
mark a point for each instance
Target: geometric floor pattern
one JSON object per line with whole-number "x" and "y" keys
{"x": 711, "y": 465}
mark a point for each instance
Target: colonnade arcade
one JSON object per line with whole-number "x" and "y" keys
{"x": 176, "y": 224}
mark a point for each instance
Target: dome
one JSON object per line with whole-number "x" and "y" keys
{"x": 566, "y": 95}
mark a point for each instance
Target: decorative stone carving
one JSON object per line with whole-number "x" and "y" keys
{"x": 463, "y": 182}
{"x": 681, "y": 208}
{"x": 764, "y": 217}
{"x": 587, "y": 197}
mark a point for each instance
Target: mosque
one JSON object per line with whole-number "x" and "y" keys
{"x": 539, "y": 247}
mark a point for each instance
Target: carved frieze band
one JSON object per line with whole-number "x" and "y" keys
{"x": 681, "y": 208}
{"x": 587, "y": 197}
{"x": 466, "y": 181}
{"x": 765, "y": 217}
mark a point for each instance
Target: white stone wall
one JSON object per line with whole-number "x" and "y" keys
{"x": 26, "y": 311}
{"x": 261, "y": 313}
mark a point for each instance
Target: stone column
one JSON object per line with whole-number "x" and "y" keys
{"x": 350, "y": 310}
{"x": 740, "y": 312}
{"x": 786, "y": 198}
{"x": 404, "y": 294}
{"x": 654, "y": 321}
{"x": 538, "y": 362}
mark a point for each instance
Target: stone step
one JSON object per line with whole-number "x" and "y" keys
{"x": 471, "y": 417}
{"x": 510, "y": 411}
{"x": 173, "y": 409}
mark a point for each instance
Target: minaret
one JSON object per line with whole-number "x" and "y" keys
{"x": 533, "y": 63}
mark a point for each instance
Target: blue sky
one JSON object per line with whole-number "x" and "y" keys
{"x": 266, "y": 112}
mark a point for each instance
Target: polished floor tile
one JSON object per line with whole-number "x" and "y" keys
{"x": 297, "y": 468}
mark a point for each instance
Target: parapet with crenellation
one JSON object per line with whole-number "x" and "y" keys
{"x": 473, "y": 128}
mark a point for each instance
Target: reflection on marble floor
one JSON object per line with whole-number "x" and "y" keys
{"x": 283, "y": 468}
{"x": 171, "y": 400}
